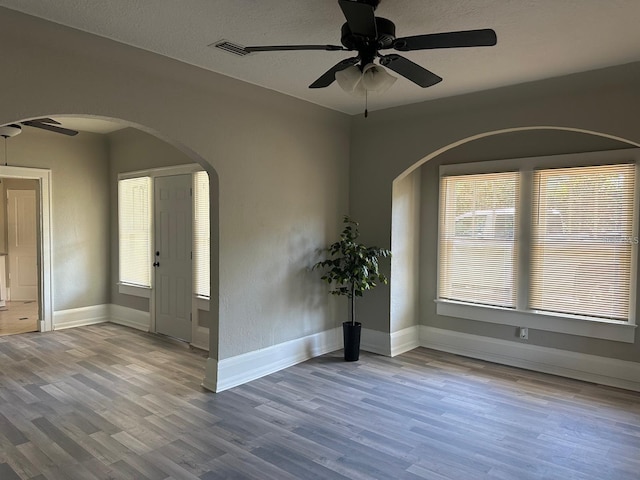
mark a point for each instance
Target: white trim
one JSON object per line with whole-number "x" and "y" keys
{"x": 46, "y": 249}
{"x": 392, "y": 344}
{"x": 199, "y": 334}
{"x": 163, "y": 171}
{"x": 210, "y": 380}
{"x": 580, "y": 366}
{"x": 201, "y": 303}
{"x": 404, "y": 340}
{"x": 129, "y": 317}
{"x": 230, "y": 372}
{"x": 134, "y": 290}
{"x": 581, "y": 326}
{"x": 78, "y": 317}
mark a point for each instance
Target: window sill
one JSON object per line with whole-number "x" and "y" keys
{"x": 134, "y": 290}
{"x": 202, "y": 303}
{"x": 584, "y": 327}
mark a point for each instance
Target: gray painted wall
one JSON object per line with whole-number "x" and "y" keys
{"x": 393, "y": 142}
{"x": 281, "y": 165}
{"x": 80, "y": 211}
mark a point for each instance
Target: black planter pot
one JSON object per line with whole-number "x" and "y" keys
{"x": 351, "y": 334}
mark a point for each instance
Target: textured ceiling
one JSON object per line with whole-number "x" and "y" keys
{"x": 536, "y": 39}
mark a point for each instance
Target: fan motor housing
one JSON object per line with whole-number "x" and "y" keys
{"x": 386, "y": 36}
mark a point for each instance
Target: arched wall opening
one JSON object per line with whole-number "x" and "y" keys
{"x": 415, "y": 220}
{"x": 79, "y": 270}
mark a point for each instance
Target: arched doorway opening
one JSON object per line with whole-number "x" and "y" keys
{"x": 414, "y": 211}
{"x": 79, "y": 216}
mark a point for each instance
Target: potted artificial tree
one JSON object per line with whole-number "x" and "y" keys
{"x": 352, "y": 268}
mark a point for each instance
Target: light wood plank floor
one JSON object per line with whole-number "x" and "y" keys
{"x": 18, "y": 317}
{"x": 108, "y": 402}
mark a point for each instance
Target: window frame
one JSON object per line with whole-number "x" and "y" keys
{"x": 143, "y": 291}
{"x": 522, "y": 316}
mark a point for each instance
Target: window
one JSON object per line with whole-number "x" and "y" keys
{"x": 583, "y": 267}
{"x": 477, "y": 245}
{"x": 134, "y": 221}
{"x": 552, "y": 241}
{"x": 202, "y": 243}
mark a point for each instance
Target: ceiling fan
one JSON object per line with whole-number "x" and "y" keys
{"x": 367, "y": 35}
{"x": 44, "y": 123}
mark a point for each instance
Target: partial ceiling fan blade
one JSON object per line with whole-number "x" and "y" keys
{"x": 411, "y": 71}
{"x": 278, "y": 48}
{"x": 51, "y": 128}
{"x": 330, "y": 75}
{"x": 360, "y": 17}
{"x": 46, "y": 120}
{"x": 468, "y": 38}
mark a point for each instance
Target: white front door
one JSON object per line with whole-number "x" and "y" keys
{"x": 173, "y": 264}
{"x": 22, "y": 246}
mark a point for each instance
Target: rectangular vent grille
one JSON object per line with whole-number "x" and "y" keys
{"x": 232, "y": 48}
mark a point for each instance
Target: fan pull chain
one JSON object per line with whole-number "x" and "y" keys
{"x": 5, "y": 151}
{"x": 366, "y": 104}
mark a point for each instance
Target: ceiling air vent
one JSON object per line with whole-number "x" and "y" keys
{"x": 229, "y": 47}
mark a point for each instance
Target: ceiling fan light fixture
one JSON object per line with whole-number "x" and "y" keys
{"x": 372, "y": 79}
{"x": 349, "y": 80}
{"x": 376, "y": 79}
{"x": 8, "y": 131}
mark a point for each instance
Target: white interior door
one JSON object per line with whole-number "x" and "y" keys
{"x": 173, "y": 242}
{"x": 22, "y": 246}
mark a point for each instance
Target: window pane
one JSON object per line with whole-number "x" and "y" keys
{"x": 582, "y": 240}
{"x": 134, "y": 222}
{"x": 477, "y": 249}
{"x": 202, "y": 244}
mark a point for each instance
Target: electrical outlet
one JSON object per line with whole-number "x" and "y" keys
{"x": 524, "y": 333}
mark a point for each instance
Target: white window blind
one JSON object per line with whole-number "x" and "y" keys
{"x": 582, "y": 240}
{"x": 477, "y": 245}
{"x": 202, "y": 243}
{"x": 134, "y": 225}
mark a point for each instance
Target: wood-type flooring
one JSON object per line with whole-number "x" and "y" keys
{"x": 18, "y": 317}
{"x": 108, "y": 402}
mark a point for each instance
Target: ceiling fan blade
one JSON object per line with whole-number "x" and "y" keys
{"x": 330, "y": 75}
{"x": 360, "y": 17}
{"x": 51, "y": 128}
{"x": 411, "y": 71}
{"x": 468, "y": 38}
{"x": 278, "y": 48}
{"x": 46, "y": 120}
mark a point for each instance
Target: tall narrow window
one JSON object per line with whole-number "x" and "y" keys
{"x": 477, "y": 249}
{"x": 582, "y": 240}
{"x": 134, "y": 225}
{"x": 202, "y": 242}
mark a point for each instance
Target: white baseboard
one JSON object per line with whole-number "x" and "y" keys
{"x": 390, "y": 345}
{"x": 130, "y": 317}
{"x": 580, "y": 366}
{"x": 210, "y": 381}
{"x": 404, "y": 340}
{"x": 78, "y": 317}
{"x": 234, "y": 371}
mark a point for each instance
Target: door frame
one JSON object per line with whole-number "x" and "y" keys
{"x": 199, "y": 335}
{"x": 45, "y": 323}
